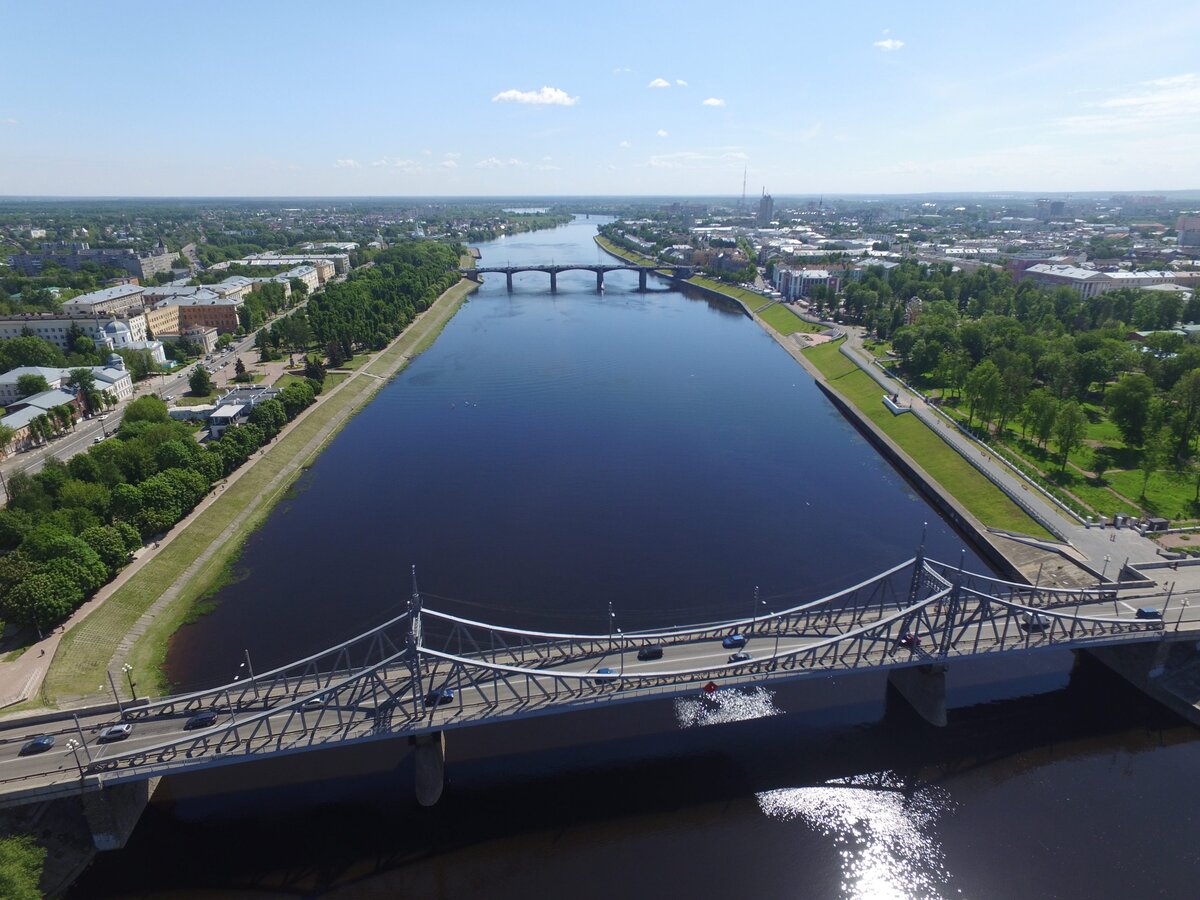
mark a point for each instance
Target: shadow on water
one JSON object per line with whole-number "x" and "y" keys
{"x": 763, "y": 793}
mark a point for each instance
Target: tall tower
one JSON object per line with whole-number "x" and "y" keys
{"x": 766, "y": 209}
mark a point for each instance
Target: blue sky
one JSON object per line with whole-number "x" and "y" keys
{"x": 522, "y": 98}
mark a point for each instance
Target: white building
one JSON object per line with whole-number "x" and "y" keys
{"x": 57, "y": 329}
{"x": 110, "y": 301}
{"x": 110, "y": 378}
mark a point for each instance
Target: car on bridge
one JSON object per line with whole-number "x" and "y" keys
{"x": 734, "y": 642}
{"x": 1035, "y": 622}
{"x": 603, "y": 675}
{"x": 1148, "y": 612}
{"x": 117, "y": 732}
{"x": 650, "y": 651}
{"x": 202, "y": 719}
{"x": 440, "y": 696}
{"x": 39, "y": 744}
{"x": 740, "y": 656}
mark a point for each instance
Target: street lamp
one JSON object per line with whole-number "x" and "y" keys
{"x": 128, "y": 670}
{"x": 612, "y": 616}
{"x": 1105, "y": 569}
{"x": 621, "y": 638}
{"x": 73, "y": 746}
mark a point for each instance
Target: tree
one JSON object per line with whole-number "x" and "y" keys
{"x": 1101, "y": 460}
{"x": 982, "y": 390}
{"x": 21, "y": 862}
{"x": 1070, "y": 426}
{"x": 7, "y": 433}
{"x": 200, "y": 382}
{"x": 1154, "y": 455}
{"x": 145, "y": 409}
{"x": 1186, "y": 397}
{"x": 239, "y": 370}
{"x": 1128, "y": 404}
{"x": 31, "y": 383}
{"x": 83, "y": 383}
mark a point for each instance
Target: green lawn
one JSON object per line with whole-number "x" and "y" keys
{"x": 1168, "y": 494}
{"x": 962, "y": 480}
{"x": 786, "y": 322}
{"x": 193, "y": 400}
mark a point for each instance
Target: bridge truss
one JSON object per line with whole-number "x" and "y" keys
{"x": 428, "y": 670}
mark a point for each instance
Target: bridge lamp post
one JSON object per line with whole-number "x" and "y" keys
{"x": 621, "y": 638}
{"x": 116, "y": 696}
{"x": 73, "y": 746}
{"x": 128, "y": 670}
{"x": 1104, "y": 570}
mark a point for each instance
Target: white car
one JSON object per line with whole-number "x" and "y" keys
{"x": 117, "y": 732}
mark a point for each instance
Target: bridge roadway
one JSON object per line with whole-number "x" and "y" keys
{"x": 375, "y": 686}
{"x": 554, "y": 270}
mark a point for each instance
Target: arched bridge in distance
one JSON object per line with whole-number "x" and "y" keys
{"x": 678, "y": 272}
{"x": 426, "y": 672}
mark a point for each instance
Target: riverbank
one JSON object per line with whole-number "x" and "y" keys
{"x": 130, "y": 621}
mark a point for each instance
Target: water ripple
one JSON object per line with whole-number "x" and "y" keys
{"x": 725, "y": 706}
{"x": 882, "y": 834}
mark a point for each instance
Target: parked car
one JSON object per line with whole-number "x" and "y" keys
{"x": 740, "y": 656}
{"x": 650, "y": 651}
{"x": 734, "y": 642}
{"x": 203, "y": 719}
{"x": 39, "y": 744}
{"x": 117, "y": 732}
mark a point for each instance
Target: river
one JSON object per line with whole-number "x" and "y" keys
{"x": 554, "y": 453}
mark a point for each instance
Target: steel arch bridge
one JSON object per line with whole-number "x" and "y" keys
{"x": 426, "y": 671}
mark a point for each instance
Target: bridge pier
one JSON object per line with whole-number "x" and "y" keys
{"x": 924, "y": 687}
{"x": 113, "y": 813}
{"x": 642, "y": 281}
{"x": 508, "y": 277}
{"x": 599, "y": 280}
{"x": 553, "y": 282}
{"x": 429, "y": 757}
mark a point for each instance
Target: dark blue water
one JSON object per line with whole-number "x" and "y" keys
{"x": 550, "y": 454}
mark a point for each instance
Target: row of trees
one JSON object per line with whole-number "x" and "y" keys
{"x": 68, "y": 529}
{"x": 371, "y": 307}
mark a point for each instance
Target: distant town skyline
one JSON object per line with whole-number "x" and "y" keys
{"x": 480, "y": 99}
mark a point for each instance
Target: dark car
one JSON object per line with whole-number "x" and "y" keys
{"x": 39, "y": 744}
{"x": 650, "y": 651}
{"x": 734, "y": 642}
{"x": 1148, "y": 612}
{"x": 1035, "y": 622}
{"x": 740, "y": 656}
{"x": 603, "y": 675}
{"x": 202, "y": 719}
{"x": 439, "y": 697}
{"x": 910, "y": 640}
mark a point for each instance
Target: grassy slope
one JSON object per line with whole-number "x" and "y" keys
{"x": 978, "y": 495}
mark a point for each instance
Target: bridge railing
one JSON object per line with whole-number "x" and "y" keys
{"x": 1037, "y": 595}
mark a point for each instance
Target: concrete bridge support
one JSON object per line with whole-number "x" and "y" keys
{"x": 924, "y": 687}
{"x": 112, "y": 813}
{"x": 599, "y": 281}
{"x": 429, "y": 757}
{"x": 553, "y": 282}
{"x": 508, "y": 277}
{"x": 642, "y": 282}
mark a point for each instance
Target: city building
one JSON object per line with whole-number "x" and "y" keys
{"x": 108, "y": 378}
{"x": 1188, "y": 229}
{"x": 73, "y": 256}
{"x": 111, "y": 300}
{"x": 766, "y": 210}
{"x": 57, "y": 329}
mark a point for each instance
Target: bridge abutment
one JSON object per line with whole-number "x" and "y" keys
{"x": 553, "y": 282}
{"x": 924, "y": 687}
{"x": 599, "y": 281}
{"x": 429, "y": 757}
{"x": 642, "y": 281}
{"x": 508, "y": 278}
{"x": 113, "y": 813}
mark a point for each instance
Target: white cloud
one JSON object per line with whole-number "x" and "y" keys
{"x": 1159, "y": 104}
{"x": 624, "y": 145}
{"x": 453, "y": 156}
{"x": 623, "y": 70}
{"x": 888, "y": 44}
{"x": 9, "y": 122}
{"x": 427, "y": 152}
{"x": 713, "y": 101}
{"x": 719, "y": 158}
{"x": 449, "y": 164}
{"x": 659, "y": 83}
{"x": 547, "y": 96}
{"x": 345, "y": 164}
{"x": 494, "y": 163}
{"x": 681, "y": 82}
{"x": 662, "y": 132}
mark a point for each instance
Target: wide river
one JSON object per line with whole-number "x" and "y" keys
{"x": 555, "y": 453}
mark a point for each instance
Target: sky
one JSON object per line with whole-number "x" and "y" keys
{"x": 519, "y": 98}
